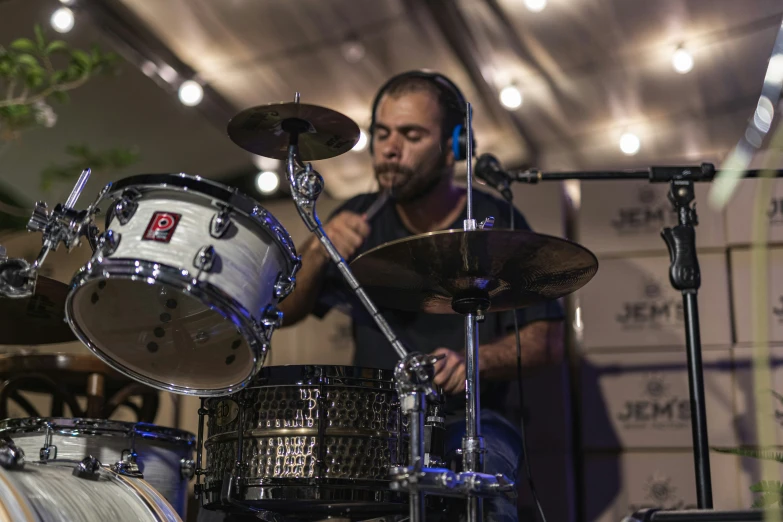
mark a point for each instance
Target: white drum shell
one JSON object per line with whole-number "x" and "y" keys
{"x": 160, "y": 459}
{"x": 51, "y": 493}
{"x": 248, "y": 260}
{"x": 117, "y": 305}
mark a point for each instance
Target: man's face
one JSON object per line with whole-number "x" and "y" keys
{"x": 408, "y": 158}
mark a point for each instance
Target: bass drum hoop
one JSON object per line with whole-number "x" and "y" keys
{"x": 86, "y": 427}
{"x": 144, "y": 271}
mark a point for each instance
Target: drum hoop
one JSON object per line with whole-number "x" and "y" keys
{"x": 150, "y": 496}
{"x": 210, "y": 295}
{"x": 97, "y": 428}
{"x": 232, "y": 197}
{"x": 324, "y": 374}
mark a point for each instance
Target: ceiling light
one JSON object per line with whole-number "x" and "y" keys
{"x": 353, "y": 51}
{"x": 682, "y": 61}
{"x": 190, "y": 93}
{"x": 762, "y": 118}
{"x": 774, "y": 74}
{"x": 67, "y": 2}
{"x": 535, "y": 6}
{"x": 267, "y": 181}
{"x": 629, "y": 143}
{"x": 510, "y": 97}
{"x": 62, "y": 20}
{"x": 362, "y": 143}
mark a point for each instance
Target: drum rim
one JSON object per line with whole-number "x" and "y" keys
{"x": 207, "y": 293}
{"x": 237, "y": 200}
{"x": 94, "y": 427}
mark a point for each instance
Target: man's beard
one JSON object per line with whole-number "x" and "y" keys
{"x": 413, "y": 187}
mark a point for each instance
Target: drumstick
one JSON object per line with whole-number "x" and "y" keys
{"x": 377, "y": 205}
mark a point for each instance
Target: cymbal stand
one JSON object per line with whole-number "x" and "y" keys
{"x": 62, "y": 224}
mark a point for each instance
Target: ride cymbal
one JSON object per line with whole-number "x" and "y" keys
{"x": 457, "y": 271}
{"x": 38, "y": 319}
{"x": 266, "y": 131}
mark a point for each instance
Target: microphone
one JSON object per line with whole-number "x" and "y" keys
{"x": 488, "y": 169}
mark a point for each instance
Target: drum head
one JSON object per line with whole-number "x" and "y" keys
{"x": 161, "y": 336}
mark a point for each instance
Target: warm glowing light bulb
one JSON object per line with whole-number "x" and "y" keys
{"x": 267, "y": 181}
{"x": 62, "y": 20}
{"x": 190, "y": 93}
{"x": 536, "y": 6}
{"x": 682, "y": 61}
{"x": 511, "y": 97}
{"x": 629, "y": 143}
{"x": 362, "y": 143}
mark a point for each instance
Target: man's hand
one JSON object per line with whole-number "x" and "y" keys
{"x": 450, "y": 371}
{"x": 347, "y": 231}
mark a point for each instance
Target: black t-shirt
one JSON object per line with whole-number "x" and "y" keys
{"x": 419, "y": 331}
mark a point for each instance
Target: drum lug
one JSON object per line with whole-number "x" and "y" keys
{"x": 88, "y": 468}
{"x": 284, "y": 286}
{"x": 187, "y": 468}
{"x": 127, "y": 465}
{"x": 271, "y": 319}
{"x": 108, "y": 242}
{"x": 11, "y": 456}
{"x": 219, "y": 224}
{"x": 205, "y": 258}
{"x": 126, "y": 206}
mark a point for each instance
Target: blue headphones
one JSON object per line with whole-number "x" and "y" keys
{"x": 456, "y": 103}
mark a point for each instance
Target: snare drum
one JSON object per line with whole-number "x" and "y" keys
{"x": 317, "y": 441}
{"x": 164, "y": 454}
{"x": 51, "y": 492}
{"x": 180, "y": 293}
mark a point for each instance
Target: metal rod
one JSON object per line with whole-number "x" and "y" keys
{"x": 472, "y": 445}
{"x": 77, "y": 189}
{"x": 469, "y": 124}
{"x": 701, "y": 446}
{"x": 416, "y": 433}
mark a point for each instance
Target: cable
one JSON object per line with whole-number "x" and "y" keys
{"x": 521, "y": 398}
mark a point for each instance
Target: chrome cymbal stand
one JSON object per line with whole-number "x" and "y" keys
{"x": 62, "y": 224}
{"x": 415, "y": 371}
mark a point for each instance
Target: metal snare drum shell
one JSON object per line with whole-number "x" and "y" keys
{"x": 181, "y": 294}
{"x": 315, "y": 439}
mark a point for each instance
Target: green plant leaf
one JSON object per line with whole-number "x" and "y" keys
{"x": 82, "y": 59}
{"x": 56, "y": 45}
{"x": 60, "y": 96}
{"x": 39, "y": 37}
{"x": 24, "y": 45}
{"x": 28, "y": 59}
{"x": 755, "y": 453}
{"x": 766, "y": 500}
{"x": 767, "y": 486}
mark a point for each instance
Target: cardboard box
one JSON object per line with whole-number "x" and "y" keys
{"x": 628, "y": 216}
{"x": 743, "y": 306}
{"x": 630, "y": 303}
{"x": 618, "y": 485}
{"x": 641, "y": 401}
{"x": 740, "y": 211}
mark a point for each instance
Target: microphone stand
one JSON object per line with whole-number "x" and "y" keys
{"x": 684, "y": 275}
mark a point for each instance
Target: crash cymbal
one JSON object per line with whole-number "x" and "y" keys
{"x": 265, "y": 131}
{"x": 39, "y": 319}
{"x": 454, "y": 271}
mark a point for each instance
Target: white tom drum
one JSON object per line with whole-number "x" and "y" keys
{"x": 164, "y": 456}
{"x": 51, "y": 492}
{"x": 181, "y": 291}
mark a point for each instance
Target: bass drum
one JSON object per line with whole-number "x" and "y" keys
{"x": 51, "y": 492}
{"x": 165, "y": 455}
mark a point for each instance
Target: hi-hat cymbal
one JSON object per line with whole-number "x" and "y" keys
{"x": 456, "y": 271}
{"x": 266, "y": 130}
{"x": 38, "y": 319}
